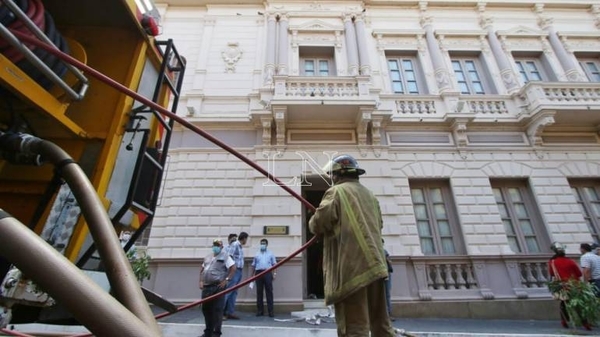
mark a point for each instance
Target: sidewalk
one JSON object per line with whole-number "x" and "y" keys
{"x": 189, "y": 323}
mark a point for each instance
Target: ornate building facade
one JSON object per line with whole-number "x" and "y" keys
{"x": 477, "y": 124}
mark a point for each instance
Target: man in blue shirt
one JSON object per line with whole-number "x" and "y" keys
{"x": 235, "y": 251}
{"x": 263, "y": 260}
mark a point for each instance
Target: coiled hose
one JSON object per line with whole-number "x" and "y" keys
{"x": 34, "y": 9}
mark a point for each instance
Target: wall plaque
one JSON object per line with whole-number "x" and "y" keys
{"x": 276, "y": 230}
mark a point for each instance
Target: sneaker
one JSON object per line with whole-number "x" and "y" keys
{"x": 232, "y": 316}
{"x": 225, "y": 317}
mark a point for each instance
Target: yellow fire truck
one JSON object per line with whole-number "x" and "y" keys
{"x": 80, "y": 161}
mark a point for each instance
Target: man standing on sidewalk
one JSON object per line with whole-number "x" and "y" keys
{"x": 216, "y": 271}
{"x": 349, "y": 222}
{"x": 590, "y": 266}
{"x": 236, "y": 252}
{"x": 264, "y": 260}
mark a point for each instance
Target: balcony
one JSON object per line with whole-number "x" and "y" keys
{"x": 321, "y": 90}
{"x": 574, "y": 103}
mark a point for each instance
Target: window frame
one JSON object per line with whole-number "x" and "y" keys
{"x": 318, "y": 55}
{"x": 402, "y": 71}
{"x": 451, "y": 216}
{"x": 588, "y": 73}
{"x": 317, "y": 66}
{"x": 582, "y": 200}
{"x": 521, "y": 63}
{"x": 534, "y": 216}
{"x": 479, "y": 71}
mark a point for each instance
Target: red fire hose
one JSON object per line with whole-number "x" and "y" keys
{"x": 110, "y": 82}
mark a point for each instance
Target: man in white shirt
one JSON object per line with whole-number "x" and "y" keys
{"x": 590, "y": 266}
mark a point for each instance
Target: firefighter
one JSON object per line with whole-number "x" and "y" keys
{"x": 349, "y": 223}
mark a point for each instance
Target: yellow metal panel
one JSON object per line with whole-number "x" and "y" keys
{"x": 110, "y": 51}
{"x": 107, "y": 159}
{"x": 13, "y": 78}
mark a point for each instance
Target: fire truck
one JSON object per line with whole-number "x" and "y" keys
{"x": 81, "y": 158}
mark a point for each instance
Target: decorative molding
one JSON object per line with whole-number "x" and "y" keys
{"x": 509, "y": 79}
{"x": 280, "y": 118}
{"x": 266, "y": 124}
{"x": 546, "y": 47}
{"x": 521, "y": 31}
{"x": 315, "y": 6}
{"x": 537, "y": 125}
{"x": 231, "y": 55}
{"x": 421, "y": 44}
{"x": 442, "y": 78}
{"x": 459, "y": 130}
{"x": 595, "y": 10}
{"x": 573, "y": 75}
{"x": 316, "y": 26}
{"x": 394, "y": 32}
{"x": 425, "y": 21}
{"x": 362, "y": 125}
{"x": 338, "y": 39}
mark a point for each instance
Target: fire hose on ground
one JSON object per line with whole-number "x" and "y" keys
{"x": 110, "y": 82}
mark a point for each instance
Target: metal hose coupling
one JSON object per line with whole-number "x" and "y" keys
{"x": 16, "y": 148}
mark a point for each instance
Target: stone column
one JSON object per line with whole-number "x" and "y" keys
{"x": 567, "y": 62}
{"x": 506, "y": 71}
{"x": 351, "y": 46}
{"x": 363, "y": 49}
{"x": 284, "y": 45}
{"x": 442, "y": 76}
{"x": 270, "y": 59}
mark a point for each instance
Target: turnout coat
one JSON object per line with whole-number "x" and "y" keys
{"x": 349, "y": 222}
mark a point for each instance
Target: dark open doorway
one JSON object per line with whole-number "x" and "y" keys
{"x": 313, "y": 258}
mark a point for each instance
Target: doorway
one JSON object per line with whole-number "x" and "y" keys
{"x": 313, "y": 257}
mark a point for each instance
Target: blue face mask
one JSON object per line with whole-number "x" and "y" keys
{"x": 263, "y": 247}
{"x": 216, "y": 249}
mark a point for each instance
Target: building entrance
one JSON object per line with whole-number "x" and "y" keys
{"x": 313, "y": 256}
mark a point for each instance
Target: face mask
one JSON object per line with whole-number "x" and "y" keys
{"x": 263, "y": 247}
{"x": 216, "y": 249}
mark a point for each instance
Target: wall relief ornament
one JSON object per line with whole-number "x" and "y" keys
{"x": 231, "y": 55}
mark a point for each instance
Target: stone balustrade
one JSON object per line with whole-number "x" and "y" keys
{"x": 488, "y": 106}
{"x": 472, "y": 277}
{"x": 416, "y": 106}
{"x": 320, "y": 87}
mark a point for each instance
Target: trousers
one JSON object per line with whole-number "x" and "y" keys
{"x": 364, "y": 311}
{"x": 264, "y": 284}
{"x": 213, "y": 312}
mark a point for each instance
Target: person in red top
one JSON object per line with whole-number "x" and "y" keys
{"x": 566, "y": 269}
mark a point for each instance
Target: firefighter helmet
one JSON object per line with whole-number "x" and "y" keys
{"x": 342, "y": 165}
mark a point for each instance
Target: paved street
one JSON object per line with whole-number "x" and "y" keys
{"x": 464, "y": 327}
